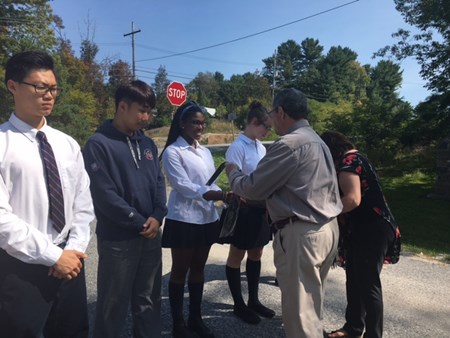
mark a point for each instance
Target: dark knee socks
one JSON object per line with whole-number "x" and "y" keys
{"x": 253, "y": 271}
{"x": 234, "y": 283}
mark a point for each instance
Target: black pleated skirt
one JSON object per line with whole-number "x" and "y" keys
{"x": 252, "y": 229}
{"x": 182, "y": 235}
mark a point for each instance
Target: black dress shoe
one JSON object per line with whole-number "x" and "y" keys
{"x": 245, "y": 314}
{"x": 181, "y": 331}
{"x": 200, "y": 328}
{"x": 261, "y": 310}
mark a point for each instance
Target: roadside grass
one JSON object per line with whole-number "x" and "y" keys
{"x": 424, "y": 222}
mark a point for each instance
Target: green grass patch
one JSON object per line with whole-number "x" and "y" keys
{"x": 424, "y": 221}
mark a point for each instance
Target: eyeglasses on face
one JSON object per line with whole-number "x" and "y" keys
{"x": 198, "y": 123}
{"x": 274, "y": 110}
{"x": 43, "y": 89}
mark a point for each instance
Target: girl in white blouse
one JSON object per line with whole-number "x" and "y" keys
{"x": 252, "y": 231}
{"x": 191, "y": 225}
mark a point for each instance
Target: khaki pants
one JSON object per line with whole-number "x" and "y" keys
{"x": 303, "y": 254}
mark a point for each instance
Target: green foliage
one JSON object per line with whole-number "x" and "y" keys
{"x": 430, "y": 47}
{"x": 67, "y": 119}
{"x": 25, "y": 25}
{"x": 222, "y": 181}
{"x": 164, "y": 109}
{"x": 423, "y": 221}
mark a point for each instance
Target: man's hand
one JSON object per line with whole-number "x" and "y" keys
{"x": 229, "y": 167}
{"x": 150, "y": 228}
{"x": 68, "y": 265}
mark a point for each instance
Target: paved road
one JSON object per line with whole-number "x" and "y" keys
{"x": 416, "y": 293}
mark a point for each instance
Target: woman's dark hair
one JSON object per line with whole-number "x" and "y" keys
{"x": 258, "y": 111}
{"x": 136, "y": 91}
{"x": 183, "y": 113}
{"x": 21, "y": 64}
{"x": 338, "y": 143}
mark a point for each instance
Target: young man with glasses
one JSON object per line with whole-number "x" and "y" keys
{"x": 45, "y": 211}
{"x": 298, "y": 181}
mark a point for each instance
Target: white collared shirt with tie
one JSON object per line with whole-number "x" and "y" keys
{"x": 26, "y": 232}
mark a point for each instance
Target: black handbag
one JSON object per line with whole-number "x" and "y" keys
{"x": 229, "y": 216}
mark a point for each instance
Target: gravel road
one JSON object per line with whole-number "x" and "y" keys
{"x": 416, "y": 297}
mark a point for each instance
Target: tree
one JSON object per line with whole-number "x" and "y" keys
{"x": 26, "y": 25}
{"x": 119, "y": 73}
{"x": 339, "y": 75}
{"x": 430, "y": 47}
{"x": 206, "y": 88}
{"x": 285, "y": 65}
{"x": 164, "y": 109}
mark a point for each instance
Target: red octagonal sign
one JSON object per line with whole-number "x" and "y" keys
{"x": 176, "y": 93}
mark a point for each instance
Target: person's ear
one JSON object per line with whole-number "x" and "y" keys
{"x": 11, "y": 85}
{"x": 282, "y": 113}
{"x": 122, "y": 107}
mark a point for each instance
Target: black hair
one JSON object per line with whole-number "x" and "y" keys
{"x": 183, "y": 113}
{"x": 136, "y": 91}
{"x": 293, "y": 102}
{"x": 338, "y": 143}
{"x": 258, "y": 111}
{"x": 21, "y": 64}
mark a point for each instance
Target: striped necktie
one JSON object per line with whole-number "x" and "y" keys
{"x": 55, "y": 195}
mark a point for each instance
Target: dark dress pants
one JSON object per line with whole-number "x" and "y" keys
{"x": 34, "y": 305}
{"x": 368, "y": 245}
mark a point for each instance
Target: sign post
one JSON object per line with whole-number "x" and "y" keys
{"x": 176, "y": 93}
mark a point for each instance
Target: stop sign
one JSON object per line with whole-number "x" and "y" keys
{"x": 176, "y": 93}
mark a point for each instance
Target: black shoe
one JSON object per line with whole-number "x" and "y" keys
{"x": 261, "y": 309}
{"x": 247, "y": 315}
{"x": 181, "y": 331}
{"x": 200, "y": 328}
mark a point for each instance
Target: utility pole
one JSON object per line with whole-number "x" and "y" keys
{"x": 274, "y": 73}
{"x": 132, "y": 46}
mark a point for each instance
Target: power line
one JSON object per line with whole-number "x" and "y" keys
{"x": 197, "y": 57}
{"x": 251, "y": 35}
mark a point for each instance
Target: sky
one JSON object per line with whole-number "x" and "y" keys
{"x": 178, "y": 26}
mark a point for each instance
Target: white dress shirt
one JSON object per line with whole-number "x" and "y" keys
{"x": 188, "y": 168}
{"x": 26, "y": 232}
{"x": 245, "y": 153}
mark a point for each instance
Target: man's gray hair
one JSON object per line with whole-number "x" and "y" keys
{"x": 293, "y": 102}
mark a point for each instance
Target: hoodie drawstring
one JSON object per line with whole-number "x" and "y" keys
{"x": 132, "y": 151}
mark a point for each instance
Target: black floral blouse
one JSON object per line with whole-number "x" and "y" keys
{"x": 373, "y": 202}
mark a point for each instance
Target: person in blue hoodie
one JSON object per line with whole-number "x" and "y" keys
{"x": 129, "y": 194}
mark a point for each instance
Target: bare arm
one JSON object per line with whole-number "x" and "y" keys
{"x": 351, "y": 188}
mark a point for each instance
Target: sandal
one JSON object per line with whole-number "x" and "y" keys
{"x": 340, "y": 333}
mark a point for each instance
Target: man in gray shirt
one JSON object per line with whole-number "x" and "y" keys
{"x": 298, "y": 181}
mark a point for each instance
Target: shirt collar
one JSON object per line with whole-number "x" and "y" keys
{"x": 181, "y": 142}
{"x": 246, "y": 139}
{"x": 27, "y": 130}
{"x": 298, "y": 124}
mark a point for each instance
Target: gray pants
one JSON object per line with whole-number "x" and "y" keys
{"x": 129, "y": 272}
{"x": 303, "y": 254}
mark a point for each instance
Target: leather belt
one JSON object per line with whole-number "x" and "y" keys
{"x": 282, "y": 223}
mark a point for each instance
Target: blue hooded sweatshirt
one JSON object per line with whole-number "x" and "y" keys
{"x": 127, "y": 184}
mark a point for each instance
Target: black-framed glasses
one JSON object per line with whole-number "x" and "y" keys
{"x": 198, "y": 123}
{"x": 273, "y": 111}
{"x": 43, "y": 89}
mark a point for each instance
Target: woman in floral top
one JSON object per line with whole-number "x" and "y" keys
{"x": 367, "y": 235}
